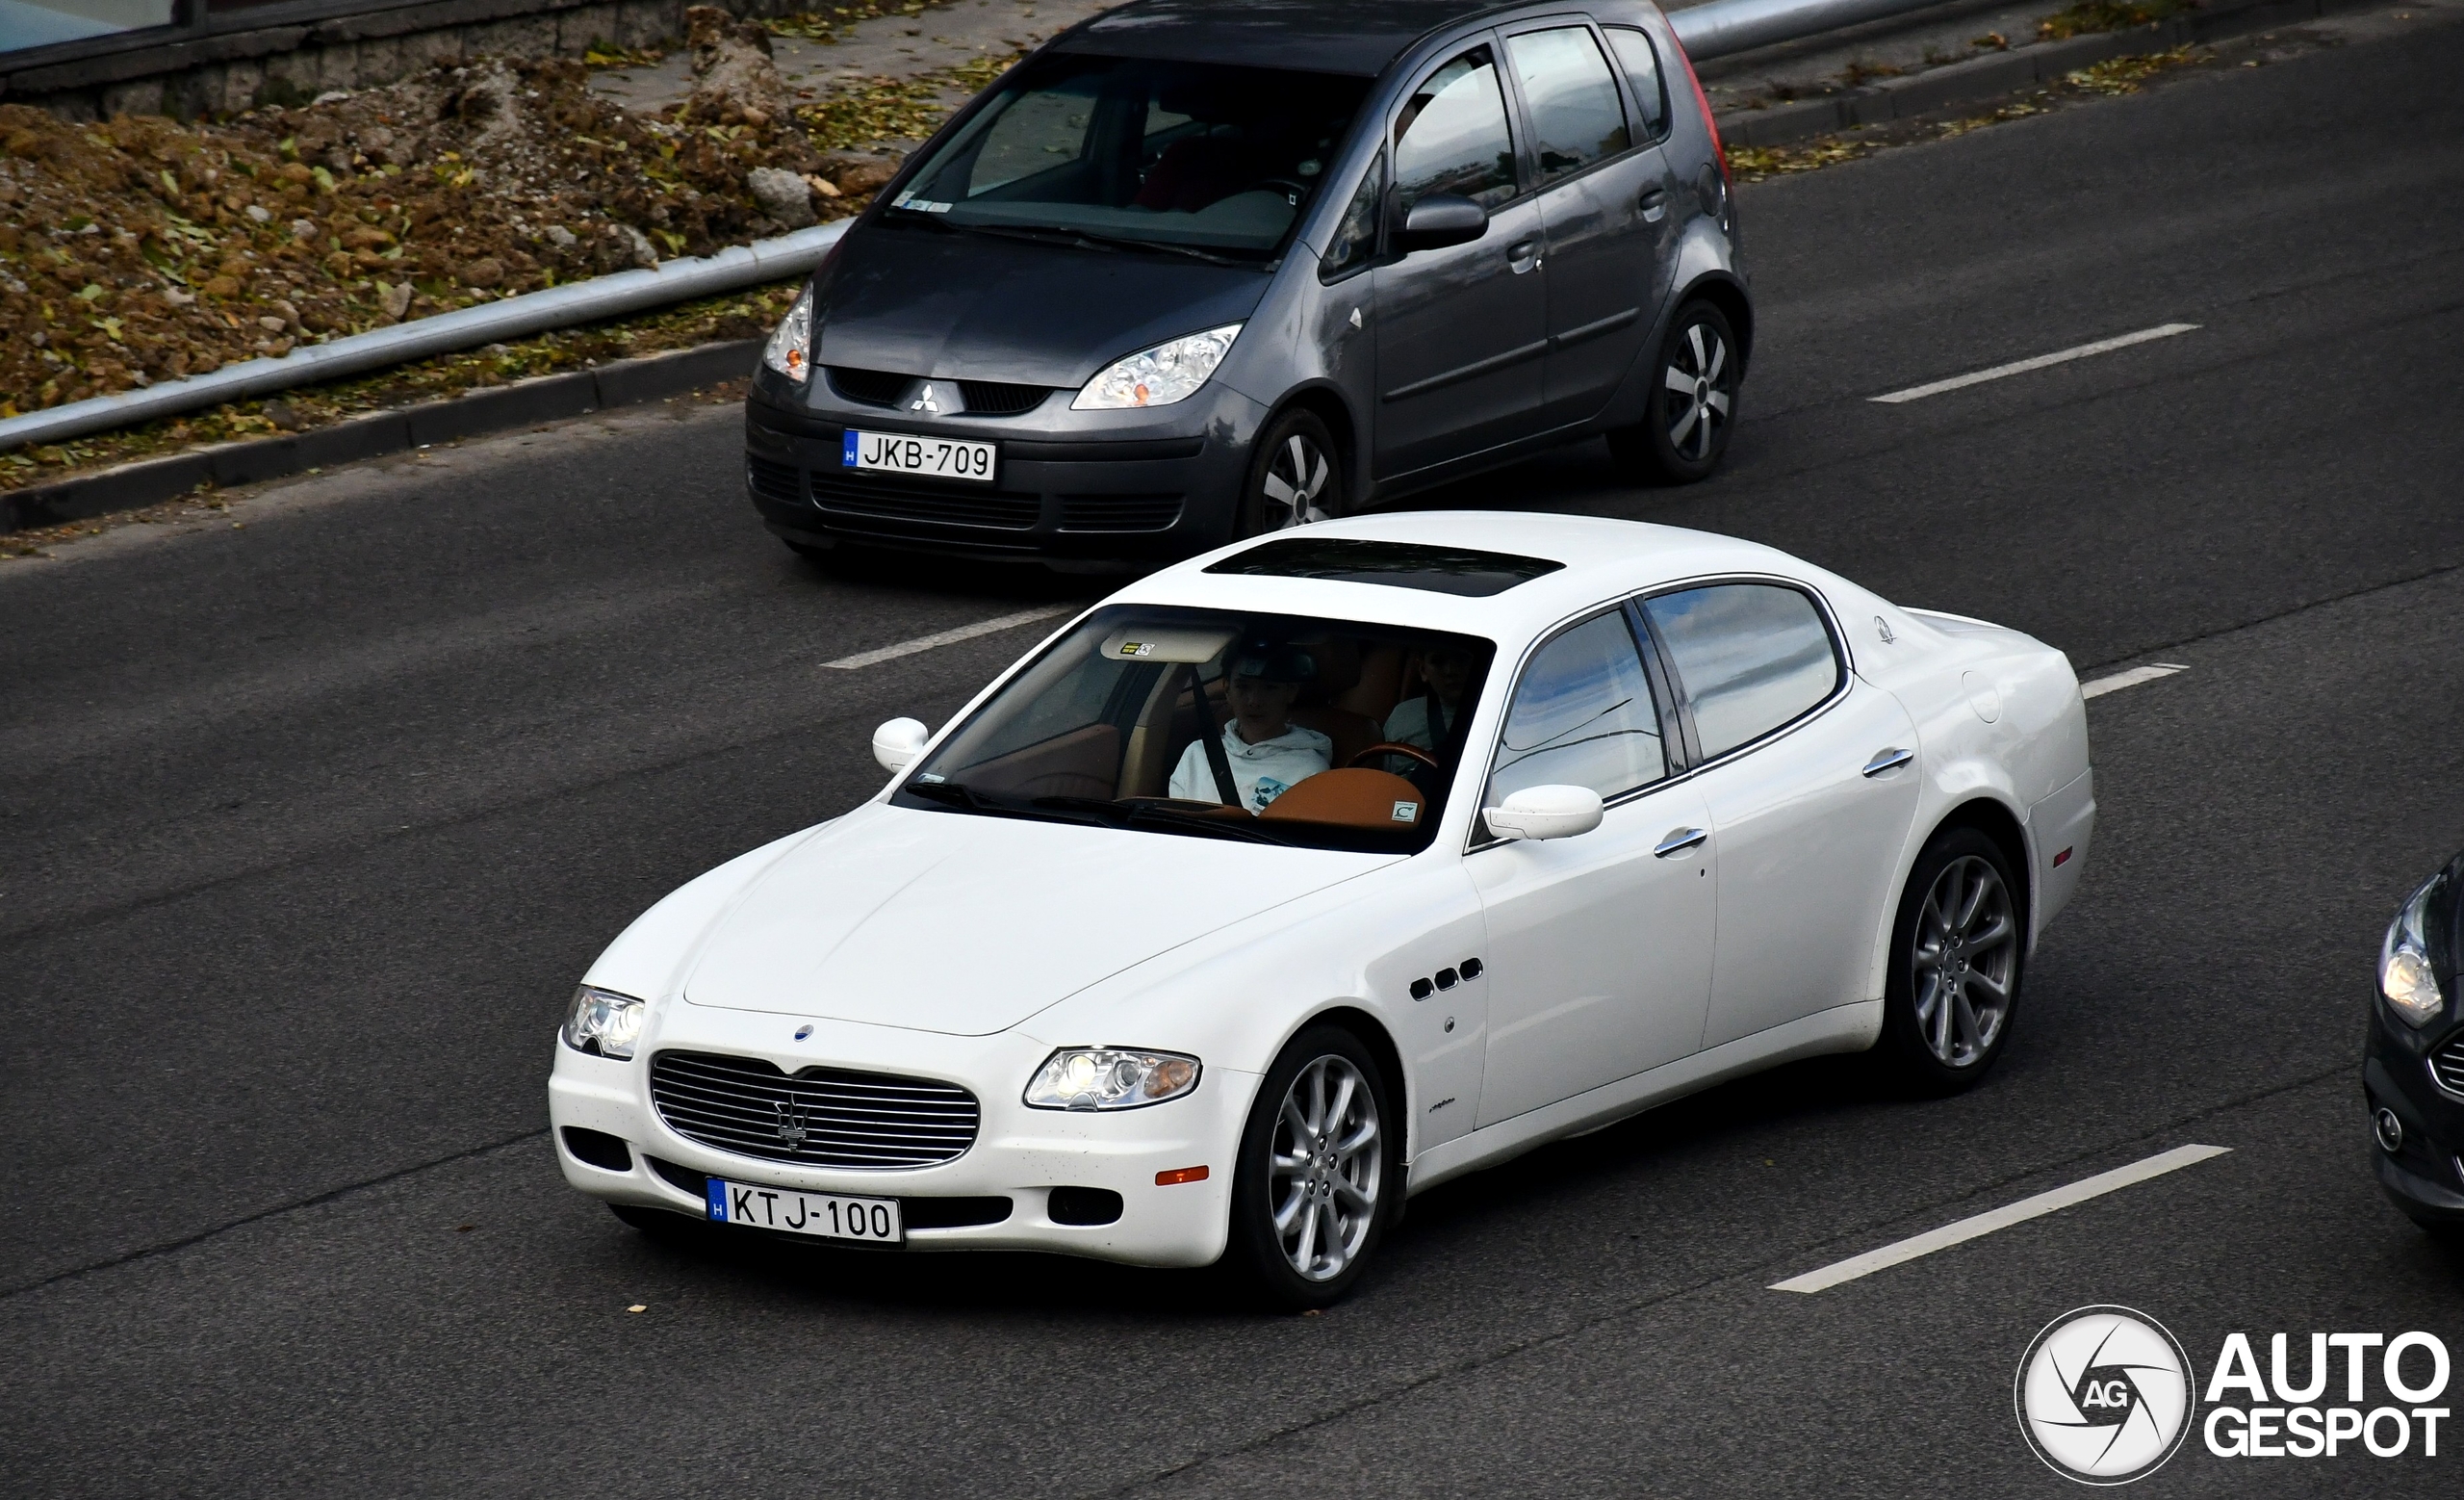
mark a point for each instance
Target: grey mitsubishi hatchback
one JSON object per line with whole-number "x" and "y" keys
{"x": 1201, "y": 269}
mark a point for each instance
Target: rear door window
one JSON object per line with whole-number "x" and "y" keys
{"x": 1641, "y": 61}
{"x": 1582, "y": 716}
{"x": 1577, "y": 115}
{"x": 1750, "y": 658}
{"x": 1452, "y": 136}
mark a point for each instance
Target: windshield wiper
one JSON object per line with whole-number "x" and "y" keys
{"x": 1082, "y": 239}
{"x": 1131, "y": 814}
{"x": 959, "y": 794}
{"x": 1124, "y": 241}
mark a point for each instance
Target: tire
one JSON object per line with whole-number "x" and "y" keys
{"x": 1691, "y": 405}
{"x": 1295, "y": 476}
{"x": 1958, "y": 956}
{"x": 1357, "y": 1193}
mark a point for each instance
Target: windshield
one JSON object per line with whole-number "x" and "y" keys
{"x": 1269, "y": 729}
{"x": 1194, "y": 155}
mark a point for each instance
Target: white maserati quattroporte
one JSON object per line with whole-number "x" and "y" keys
{"x": 1320, "y": 870}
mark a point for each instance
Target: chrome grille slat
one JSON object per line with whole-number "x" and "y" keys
{"x": 2447, "y": 1066}
{"x": 850, "y": 1119}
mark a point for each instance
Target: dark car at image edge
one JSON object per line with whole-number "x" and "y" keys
{"x": 2412, "y": 1075}
{"x": 1203, "y": 269}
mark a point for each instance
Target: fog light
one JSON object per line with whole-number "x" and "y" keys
{"x": 2389, "y": 1129}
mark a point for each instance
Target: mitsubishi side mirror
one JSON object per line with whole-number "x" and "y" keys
{"x": 1441, "y": 219}
{"x": 1546, "y": 812}
{"x": 897, "y": 743}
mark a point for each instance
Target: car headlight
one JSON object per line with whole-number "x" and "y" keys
{"x": 1105, "y": 1077}
{"x": 604, "y": 1022}
{"x": 1161, "y": 376}
{"x": 2405, "y": 978}
{"x": 789, "y": 351}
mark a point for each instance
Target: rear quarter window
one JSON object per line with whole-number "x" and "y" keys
{"x": 1752, "y": 657}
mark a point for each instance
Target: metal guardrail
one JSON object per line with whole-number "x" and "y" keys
{"x": 1706, "y": 31}
{"x": 1728, "y": 26}
{"x": 465, "y": 327}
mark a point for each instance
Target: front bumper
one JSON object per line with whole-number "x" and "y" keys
{"x": 1159, "y": 485}
{"x": 2426, "y": 1176}
{"x": 1019, "y": 1153}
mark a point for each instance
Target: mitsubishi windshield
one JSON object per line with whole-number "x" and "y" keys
{"x": 1270, "y": 728}
{"x": 1140, "y": 152}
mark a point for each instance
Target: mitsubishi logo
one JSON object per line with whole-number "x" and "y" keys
{"x": 925, "y": 399}
{"x": 791, "y": 1123}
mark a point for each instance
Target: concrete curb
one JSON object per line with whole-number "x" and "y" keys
{"x": 1998, "y": 74}
{"x": 149, "y": 481}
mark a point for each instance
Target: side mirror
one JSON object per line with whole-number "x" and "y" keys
{"x": 1546, "y": 812}
{"x": 897, "y": 743}
{"x": 1441, "y": 219}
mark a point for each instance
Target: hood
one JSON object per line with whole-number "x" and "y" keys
{"x": 953, "y": 305}
{"x": 964, "y": 924}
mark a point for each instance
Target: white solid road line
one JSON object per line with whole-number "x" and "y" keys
{"x": 2130, "y": 679}
{"x": 948, "y": 637}
{"x": 2021, "y": 1212}
{"x": 2022, "y": 366}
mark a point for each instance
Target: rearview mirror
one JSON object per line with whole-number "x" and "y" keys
{"x": 1441, "y": 219}
{"x": 1546, "y": 812}
{"x": 897, "y": 743}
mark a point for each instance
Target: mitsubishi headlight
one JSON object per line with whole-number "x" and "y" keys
{"x": 1161, "y": 376}
{"x": 789, "y": 351}
{"x": 604, "y": 1022}
{"x": 1105, "y": 1077}
{"x": 2406, "y": 979}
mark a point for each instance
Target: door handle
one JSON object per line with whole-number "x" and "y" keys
{"x": 1523, "y": 255}
{"x": 1677, "y": 841}
{"x": 1888, "y": 760}
{"x": 1654, "y": 203}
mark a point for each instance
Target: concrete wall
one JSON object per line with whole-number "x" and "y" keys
{"x": 289, "y": 53}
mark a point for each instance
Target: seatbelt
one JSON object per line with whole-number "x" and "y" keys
{"x": 1217, "y": 761}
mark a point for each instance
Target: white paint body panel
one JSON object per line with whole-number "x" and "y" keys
{"x": 965, "y": 948}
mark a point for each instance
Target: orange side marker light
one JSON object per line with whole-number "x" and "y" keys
{"x": 1180, "y": 1174}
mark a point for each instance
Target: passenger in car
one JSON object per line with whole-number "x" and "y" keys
{"x": 1427, "y": 719}
{"x": 1262, "y": 752}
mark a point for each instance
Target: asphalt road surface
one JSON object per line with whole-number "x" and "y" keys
{"x": 309, "y": 823}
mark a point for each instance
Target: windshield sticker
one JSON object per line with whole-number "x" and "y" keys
{"x": 1137, "y": 648}
{"x": 1407, "y": 811}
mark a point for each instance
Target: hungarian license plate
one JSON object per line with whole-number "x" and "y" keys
{"x": 822, "y": 1214}
{"x": 933, "y": 457}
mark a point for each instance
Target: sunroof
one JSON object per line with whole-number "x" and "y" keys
{"x": 1441, "y": 569}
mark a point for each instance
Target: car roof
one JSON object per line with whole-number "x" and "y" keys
{"x": 1360, "y": 37}
{"x": 1603, "y": 560}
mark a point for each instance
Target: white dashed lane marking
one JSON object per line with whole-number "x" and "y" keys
{"x": 1917, "y": 393}
{"x": 1983, "y": 1224}
{"x": 948, "y": 637}
{"x": 2137, "y": 674}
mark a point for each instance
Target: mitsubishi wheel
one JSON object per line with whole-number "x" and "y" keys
{"x": 1691, "y": 405}
{"x": 1295, "y": 478}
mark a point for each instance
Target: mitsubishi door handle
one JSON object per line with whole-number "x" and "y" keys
{"x": 1523, "y": 255}
{"x": 1654, "y": 203}
{"x": 1678, "y": 840}
{"x": 1888, "y": 760}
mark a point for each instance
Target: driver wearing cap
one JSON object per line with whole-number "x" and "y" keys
{"x": 1264, "y": 752}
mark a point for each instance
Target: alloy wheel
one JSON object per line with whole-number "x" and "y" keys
{"x": 1294, "y": 483}
{"x": 1326, "y": 1166}
{"x": 1961, "y": 965}
{"x": 1702, "y": 378}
